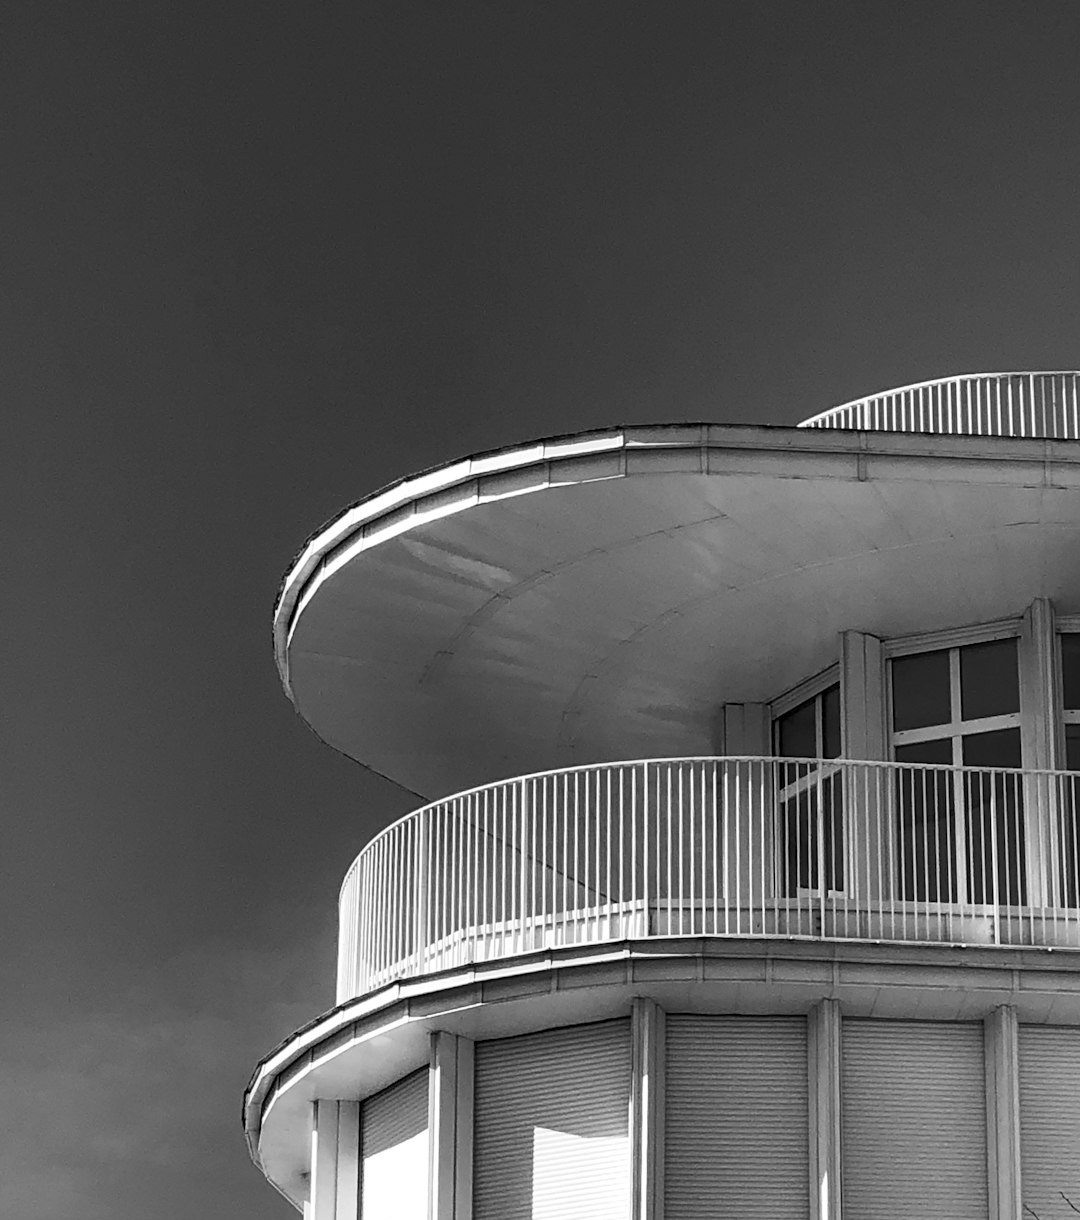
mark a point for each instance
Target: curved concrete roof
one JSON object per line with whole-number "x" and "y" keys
{"x": 600, "y": 597}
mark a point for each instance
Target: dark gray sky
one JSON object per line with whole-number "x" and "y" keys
{"x": 257, "y": 260}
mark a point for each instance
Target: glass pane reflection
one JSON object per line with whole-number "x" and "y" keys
{"x": 830, "y": 723}
{"x": 989, "y": 683}
{"x": 810, "y": 862}
{"x": 926, "y": 824}
{"x": 994, "y": 822}
{"x": 1070, "y": 670}
{"x": 797, "y": 732}
{"x": 920, "y": 686}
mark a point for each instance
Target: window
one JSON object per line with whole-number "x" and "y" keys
{"x": 810, "y": 805}
{"x": 1069, "y": 804}
{"x": 960, "y": 831}
{"x": 1070, "y": 691}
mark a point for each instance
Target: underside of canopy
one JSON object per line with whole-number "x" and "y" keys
{"x": 602, "y": 597}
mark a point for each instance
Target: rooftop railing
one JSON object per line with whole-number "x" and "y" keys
{"x": 975, "y": 404}
{"x": 736, "y": 847}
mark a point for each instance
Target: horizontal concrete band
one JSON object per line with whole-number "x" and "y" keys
{"x": 361, "y": 1047}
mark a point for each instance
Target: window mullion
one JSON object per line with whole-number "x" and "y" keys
{"x": 955, "y": 696}
{"x": 932, "y": 732}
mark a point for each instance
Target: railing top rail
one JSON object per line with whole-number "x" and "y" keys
{"x": 626, "y": 764}
{"x": 827, "y": 418}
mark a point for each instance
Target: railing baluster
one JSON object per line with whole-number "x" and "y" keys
{"x": 634, "y": 852}
{"x": 995, "y": 404}
{"x": 488, "y": 905}
{"x": 667, "y": 860}
{"x": 622, "y": 895}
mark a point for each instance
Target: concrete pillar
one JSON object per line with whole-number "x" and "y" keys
{"x": 823, "y": 1065}
{"x": 335, "y": 1161}
{"x": 863, "y": 713}
{"x": 1040, "y": 700}
{"x": 450, "y": 1127}
{"x": 747, "y": 729}
{"x": 1001, "y": 1034}
{"x": 647, "y": 1110}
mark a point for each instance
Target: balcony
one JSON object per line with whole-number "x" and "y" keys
{"x": 977, "y": 404}
{"x": 726, "y": 847}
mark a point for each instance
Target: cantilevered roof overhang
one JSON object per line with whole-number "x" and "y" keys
{"x": 601, "y": 597}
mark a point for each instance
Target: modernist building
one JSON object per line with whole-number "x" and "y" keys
{"x": 766, "y": 904}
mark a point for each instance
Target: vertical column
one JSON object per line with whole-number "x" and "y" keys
{"x": 1040, "y": 700}
{"x": 348, "y": 1161}
{"x": 864, "y": 735}
{"x": 335, "y": 1161}
{"x": 647, "y": 1110}
{"x": 862, "y": 696}
{"x": 450, "y": 1127}
{"x": 1039, "y": 695}
{"x": 324, "y": 1144}
{"x": 746, "y": 729}
{"x": 1003, "y": 1113}
{"x": 823, "y": 1065}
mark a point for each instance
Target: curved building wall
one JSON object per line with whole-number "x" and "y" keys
{"x": 724, "y": 1115}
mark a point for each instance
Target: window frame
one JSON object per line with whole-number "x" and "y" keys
{"x": 802, "y": 692}
{"x": 818, "y": 772}
{"x": 952, "y": 641}
{"x": 1042, "y": 717}
{"x": 1064, "y": 624}
{"x": 957, "y": 728}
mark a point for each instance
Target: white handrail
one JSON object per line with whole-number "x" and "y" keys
{"x": 1036, "y": 404}
{"x": 745, "y": 847}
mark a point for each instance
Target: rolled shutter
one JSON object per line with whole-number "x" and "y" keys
{"x": 1050, "y": 1119}
{"x": 552, "y": 1125}
{"x": 394, "y": 1151}
{"x": 736, "y": 1118}
{"x": 914, "y": 1121}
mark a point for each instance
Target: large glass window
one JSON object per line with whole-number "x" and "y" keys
{"x": 811, "y": 810}
{"x": 1069, "y": 785}
{"x": 960, "y": 831}
{"x": 1070, "y": 691}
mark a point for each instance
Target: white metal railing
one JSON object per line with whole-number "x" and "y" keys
{"x": 716, "y": 847}
{"x": 976, "y": 404}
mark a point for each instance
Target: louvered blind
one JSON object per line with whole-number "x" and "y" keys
{"x": 914, "y": 1121}
{"x": 552, "y": 1118}
{"x": 1050, "y": 1120}
{"x": 394, "y": 1151}
{"x": 736, "y": 1128}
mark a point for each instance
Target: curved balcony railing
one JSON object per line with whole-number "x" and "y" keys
{"x": 974, "y": 404}
{"x": 739, "y": 847}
